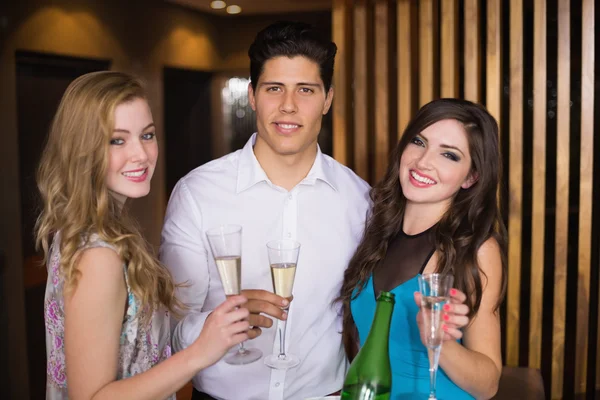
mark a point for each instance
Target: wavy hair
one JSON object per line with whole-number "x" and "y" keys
{"x": 472, "y": 217}
{"x": 76, "y": 201}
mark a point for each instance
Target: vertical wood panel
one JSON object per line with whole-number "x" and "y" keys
{"x": 382, "y": 86}
{"x": 341, "y": 29}
{"x": 472, "y": 57}
{"x": 449, "y": 48}
{"x": 361, "y": 99}
{"x": 515, "y": 181}
{"x": 562, "y": 196}
{"x": 538, "y": 230}
{"x": 405, "y": 59}
{"x": 426, "y": 49}
{"x": 494, "y": 59}
{"x": 585, "y": 192}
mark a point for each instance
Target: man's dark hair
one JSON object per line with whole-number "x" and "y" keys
{"x": 290, "y": 39}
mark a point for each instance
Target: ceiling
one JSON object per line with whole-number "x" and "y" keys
{"x": 254, "y": 7}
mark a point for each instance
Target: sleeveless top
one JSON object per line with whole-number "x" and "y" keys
{"x": 398, "y": 273}
{"x": 141, "y": 346}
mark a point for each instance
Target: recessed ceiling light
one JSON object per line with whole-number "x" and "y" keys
{"x": 234, "y": 9}
{"x": 218, "y": 4}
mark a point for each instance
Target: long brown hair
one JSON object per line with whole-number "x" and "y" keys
{"x": 76, "y": 201}
{"x": 472, "y": 218}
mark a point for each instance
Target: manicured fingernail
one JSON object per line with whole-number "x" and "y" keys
{"x": 285, "y": 302}
{"x": 447, "y": 307}
{"x": 445, "y": 328}
{"x": 284, "y": 315}
{"x": 446, "y": 317}
{"x": 452, "y": 292}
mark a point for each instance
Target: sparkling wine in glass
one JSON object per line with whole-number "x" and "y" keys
{"x": 226, "y": 246}
{"x": 435, "y": 292}
{"x": 283, "y": 258}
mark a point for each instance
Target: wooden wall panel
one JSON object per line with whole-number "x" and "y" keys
{"x": 472, "y": 56}
{"x": 562, "y": 195}
{"x": 515, "y": 182}
{"x": 426, "y": 52}
{"x": 449, "y": 48}
{"x": 382, "y": 86}
{"x": 538, "y": 228}
{"x": 585, "y": 193}
{"x": 427, "y": 69}
{"x": 361, "y": 87}
{"x": 405, "y": 55}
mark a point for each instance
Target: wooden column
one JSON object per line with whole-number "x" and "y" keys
{"x": 585, "y": 193}
{"x": 382, "y": 87}
{"x": 515, "y": 182}
{"x": 472, "y": 56}
{"x": 342, "y": 78}
{"x": 361, "y": 89}
{"x": 449, "y": 48}
{"x": 562, "y": 195}
{"x": 406, "y": 26}
{"x": 538, "y": 228}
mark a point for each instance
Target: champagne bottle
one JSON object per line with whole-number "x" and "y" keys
{"x": 370, "y": 374}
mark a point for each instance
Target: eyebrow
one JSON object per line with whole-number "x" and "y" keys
{"x": 150, "y": 125}
{"x": 312, "y": 84}
{"x": 444, "y": 146}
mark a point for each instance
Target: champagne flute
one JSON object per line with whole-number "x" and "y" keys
{"x": 283, "y": 258}
{"x": 435, "y": 293}
{"x": 226, "y": 246}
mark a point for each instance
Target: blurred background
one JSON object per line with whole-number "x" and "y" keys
{"x": 531, "y": 62}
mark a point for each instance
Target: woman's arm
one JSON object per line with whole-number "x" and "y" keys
{"x": 476, "y": 365}
{"x": 93, "y": 320}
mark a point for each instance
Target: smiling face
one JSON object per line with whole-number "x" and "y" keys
{"x": 436, "y": 164}
{"x": 290, "y": 101}
{"x": 133, "y": 151}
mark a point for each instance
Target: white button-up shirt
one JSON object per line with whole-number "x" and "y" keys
{"x": 325, "y": 212}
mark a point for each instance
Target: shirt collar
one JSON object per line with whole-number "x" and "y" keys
{"x": 250, "y": 172}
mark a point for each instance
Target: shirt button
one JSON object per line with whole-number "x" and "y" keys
{"x": 289, "y": 235}
{"x": 290, "y": 197}
{"x": 277, "y": 384}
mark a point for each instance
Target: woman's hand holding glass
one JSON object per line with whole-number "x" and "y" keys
{"x": 224, "y": 328}
{"x": 454, "y": 318}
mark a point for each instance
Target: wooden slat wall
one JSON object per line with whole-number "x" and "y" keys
{"x": 515, "y": 181}
{"x": 490, "y": 57}
{"x": 539, "y": 184}
{"x": 585, "y": 192}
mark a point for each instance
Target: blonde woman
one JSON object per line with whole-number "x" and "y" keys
{"x": 108, "y": 298}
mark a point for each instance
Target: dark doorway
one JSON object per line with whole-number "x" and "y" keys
{"x": 41, "y": 82}
{"x": 188, "y": 128}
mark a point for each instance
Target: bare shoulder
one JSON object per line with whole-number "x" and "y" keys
{"x": 101, "y": 269}
{"x": 490, "y": 262}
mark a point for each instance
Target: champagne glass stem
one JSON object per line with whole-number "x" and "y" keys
{"x": 434, "y": 358}
{"x": 282, "y": 329}
{"x": 242, "y": 349}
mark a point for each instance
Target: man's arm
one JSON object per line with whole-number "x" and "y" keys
{"x": 182, "y": 251}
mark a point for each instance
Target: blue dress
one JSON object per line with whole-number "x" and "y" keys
{"x": 408, "y": 356}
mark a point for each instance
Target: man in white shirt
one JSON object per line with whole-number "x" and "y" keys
{"x": 278, "y": 186}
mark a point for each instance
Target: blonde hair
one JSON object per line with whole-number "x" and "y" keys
{"x": 76, "y": 201}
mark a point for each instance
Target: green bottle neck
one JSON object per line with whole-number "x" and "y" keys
{"x": 380, "y": 329}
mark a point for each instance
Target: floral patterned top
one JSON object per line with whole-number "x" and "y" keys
{"x": 141, "y": 346}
